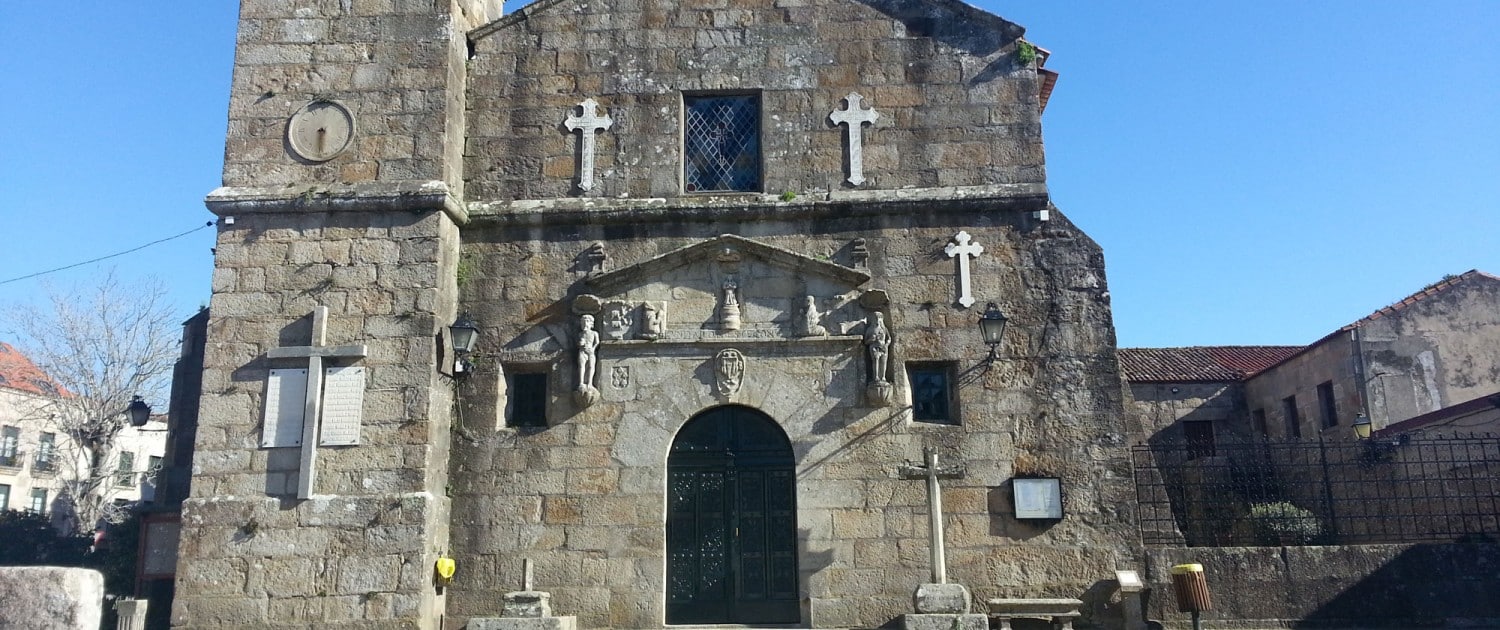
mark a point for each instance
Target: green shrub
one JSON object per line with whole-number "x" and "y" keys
{"x": 1025, "y": 52}
{"x": 1282, "y": 523}
{"x": 28, "y": 539}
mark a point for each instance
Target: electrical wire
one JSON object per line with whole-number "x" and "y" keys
{"x": 114, "y": 255}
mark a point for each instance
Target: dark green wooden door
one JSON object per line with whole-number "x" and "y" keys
{"x": 731, "y": 521}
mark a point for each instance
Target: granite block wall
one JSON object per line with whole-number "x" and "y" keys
{"x": 956, "y": 108}
{"x": 584, "y": 497}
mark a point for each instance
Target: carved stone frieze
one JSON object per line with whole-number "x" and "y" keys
{"x": 723, "y": 290}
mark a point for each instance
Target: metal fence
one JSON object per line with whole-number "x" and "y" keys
{"x": 1317, "y": 492}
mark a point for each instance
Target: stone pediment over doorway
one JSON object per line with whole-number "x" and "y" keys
{"x": 725, "y": 289}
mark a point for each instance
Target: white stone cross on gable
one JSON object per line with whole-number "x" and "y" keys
{"x": 588, "y": 123}
{"x": 329, "y": 399}
{"x": 855, "y": 118}
{"x": 963, "y": 249}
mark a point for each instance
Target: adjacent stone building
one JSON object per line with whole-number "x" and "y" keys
{"x": 1434, "y": 350}
{"x": 1194, "y": 394}
{"x": 727, "y": 260}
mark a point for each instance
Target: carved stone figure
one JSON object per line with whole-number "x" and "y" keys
{"x": 812, "y": 320}
{"x": 878, "y": 343}
{"x": 617, "y": 320}
{"x": 594, "y": 257}
{"x": 653, "y": 322}
{"x": 588, "y": 361}
{"x": 729, "y": 314}
{"x": 729, "y": 371}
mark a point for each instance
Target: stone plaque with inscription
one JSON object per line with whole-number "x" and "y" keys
{"x": 343, "y": 397}
{"x": 286, "y": 394}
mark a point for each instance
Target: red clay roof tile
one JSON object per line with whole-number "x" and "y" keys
{"x": 1199, "y": 363}
{"x": 18, "y": 372}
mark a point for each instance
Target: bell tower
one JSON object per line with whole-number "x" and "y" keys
{"x": 318, "y": 495}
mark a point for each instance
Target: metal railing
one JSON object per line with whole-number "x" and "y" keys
{"x": 1311, "y": 492}
{"x": 12, "y": 460}
{"x": 43, "y": 463}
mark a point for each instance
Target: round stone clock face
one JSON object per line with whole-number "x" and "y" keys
{"x": 320, "y": 130}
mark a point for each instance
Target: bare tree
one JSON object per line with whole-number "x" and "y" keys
{"x": 102, "y": 344}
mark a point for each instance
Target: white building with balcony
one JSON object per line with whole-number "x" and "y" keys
{"x": 38, "y": 458}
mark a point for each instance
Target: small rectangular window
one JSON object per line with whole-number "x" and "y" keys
{"x": 46, "y": 447}
{"x": 38, "y": 501}
{"x": 4, "y": 497}
{"x": 526, "y": 403}
{"x": 10, "y": 445}
{"x": 1289, "y": 410}
{"x": 1327, "y": 405}
{"x": 1199, "y": 436}
{"x": 721, "y": 143}
{"x": 932, "y": 397}
{"x": 1258, "y": 423}
{"x": 125, "y": 470}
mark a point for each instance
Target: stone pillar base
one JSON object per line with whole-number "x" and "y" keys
{"x": 132, "y": 613}
{"x": 971, "y": 621}
{"x": 527, "y": 604}
{"x": 947, "y": 599}
{"x": 528, "y": 623}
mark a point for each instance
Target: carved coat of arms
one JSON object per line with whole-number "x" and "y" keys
{"x": 729, "y": 370}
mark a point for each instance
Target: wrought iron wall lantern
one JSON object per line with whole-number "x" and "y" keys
{"x": 1362, "y": 426}
{"x": 1377, "y": 449}
{"x": 464, "y": 334}
{"x": 992, "y": 329}
{"x": 139, "y": 412}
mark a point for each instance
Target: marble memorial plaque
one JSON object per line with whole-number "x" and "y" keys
{"x": 286, "y": 399}
{"x": 343, "y": 399}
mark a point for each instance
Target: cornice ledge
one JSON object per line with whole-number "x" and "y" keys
{"x": 1032, "y": 196}
{"x": 410, "y": 196}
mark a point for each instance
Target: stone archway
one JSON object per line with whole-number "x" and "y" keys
{"x": 731, "y": 521}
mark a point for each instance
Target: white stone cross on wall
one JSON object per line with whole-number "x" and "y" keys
{"x": 330, "y": 399}
{"x": 855, "y": 118}
{"x": 588, "y": 123}
{"x": 930, "y": 471}
{"x": 963, "y": 249}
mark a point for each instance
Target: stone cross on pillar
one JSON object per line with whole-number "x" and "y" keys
{"x": 963, "y": 249}
{"x": 588, "y": 123}
{"x": 930, "y": 471}
{"x": 855, "y": 118}
{"x": 313, "y": 399}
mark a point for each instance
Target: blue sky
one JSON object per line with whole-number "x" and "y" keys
{"x": 1257, "y": 172}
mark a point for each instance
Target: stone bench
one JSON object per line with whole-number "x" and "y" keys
{"x": 1059, "y": 612}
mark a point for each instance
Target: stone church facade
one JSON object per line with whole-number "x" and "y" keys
{"x": 727, "y": 258}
